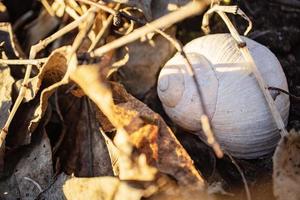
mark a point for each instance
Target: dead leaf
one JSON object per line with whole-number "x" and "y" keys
{"x": 286, "y": 167}
{"x": 40, "y": 28}
{"x": 151, "y": 136}
{"x": 11, "y": 47}
{"x": 8, "y": 189}
{"x": 83, "y": 151}
{"x": 6, "y": 82}
{"x": 53, "y": 74}
{"x": 104, "y": 188}
{"x": 55, "y": 190}
{"x": 139, "y": 74}
{"x": 34, "y": 171}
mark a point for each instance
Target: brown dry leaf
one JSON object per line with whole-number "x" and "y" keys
{"x": 6, "y": 82}
{"x": 51, "y": 72}
{"x": 151, "y": 136}
{"x": 100, "y": 188}
{"x": 83, "y": 150}
{"x": 286, "y": 167}
{"x": 161, "y": 147}
{"x": 54, "y": 73}
{"x": 139, "y": 74}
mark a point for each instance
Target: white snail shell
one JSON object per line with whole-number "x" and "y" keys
{"x": 240, "y": 116}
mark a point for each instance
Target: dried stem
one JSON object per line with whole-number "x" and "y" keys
{"x": 23, "y": 61}
{"x": 101, "y": 6}
{"x": 186, "y": 11}
{"x": 33, "y": 52}
{"x": 248, "y": 194}
{"x": 106, "y": 25}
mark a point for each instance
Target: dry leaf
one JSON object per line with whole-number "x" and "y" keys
{"x": 151, "y": 136}
{"x": 40, "y": 28}
{"x": 54, "y": 73}
{"x": 11, "y": 47}
{"x": 6, "y": 82}
{"x": 139, "y": 74}
{"x": 50, "y": 73}
{"x": 83, "y": 150}
{"x": 8, "y": 189}
{"x": 286, "y": 168}
{"x": 161, "y": 147}
{"x": 55, "y": 190}
{"x": 34, "y": 171}
{"x": 100, "y": 188}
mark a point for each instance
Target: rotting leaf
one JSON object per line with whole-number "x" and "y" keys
{"x": 8, "y": 189}
{"x": 104, "y": 188}
{"x": 55, "y": 190}
{"x": 286, "y": 167}
{"x": 83, "y": 151}
{"x": 151, "y": 136}
{"x": 34, "y": 171}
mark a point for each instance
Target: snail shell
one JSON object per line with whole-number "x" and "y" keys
{"x": 240, "y": 116}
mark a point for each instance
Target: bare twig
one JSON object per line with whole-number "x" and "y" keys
{"x": 33, "y": 52}
{"x": 285, "y": 92}
{"x": 106, "y": 25}
{"x": 23, "y": 61}
{"x": 101, "y": 6}
{"x": 186, "y": 11}
{"x": 248, "y": 194}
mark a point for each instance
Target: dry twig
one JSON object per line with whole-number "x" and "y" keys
{"x": 186, "y": 11}
{"x": 33, "y": 52}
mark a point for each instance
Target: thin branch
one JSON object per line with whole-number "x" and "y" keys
{"x": 247, "y": 190}
{"x": 285, "y": 92}
{"x": 186, "y": 11}
{"x": 23, "y": 61}
{"x": 33, "y": 52}
{"x": 101, "y": 6}
{"x": 104, "y": 28}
